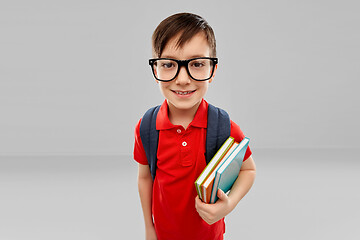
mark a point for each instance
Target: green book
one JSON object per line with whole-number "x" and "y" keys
{"x": 212, "y": 164}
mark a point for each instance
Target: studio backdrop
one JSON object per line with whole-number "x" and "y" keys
{"x": 75, "y": 79}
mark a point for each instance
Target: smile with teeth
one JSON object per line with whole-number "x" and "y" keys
{"x": 183, "y": 92}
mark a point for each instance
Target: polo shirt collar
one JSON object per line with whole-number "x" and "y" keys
{"x": 200, "y": 119}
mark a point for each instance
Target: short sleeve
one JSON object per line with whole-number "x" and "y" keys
{"x": 238, "y": 135}
{"x": 139, "y": 152}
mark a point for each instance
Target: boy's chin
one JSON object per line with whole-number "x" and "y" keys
{"x": 183, "y": 106}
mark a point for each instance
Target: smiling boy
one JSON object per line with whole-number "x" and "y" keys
{"x": 184, "y": 64}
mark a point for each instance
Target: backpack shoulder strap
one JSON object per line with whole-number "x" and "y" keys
{"x": 218, "y": 130}
{"x": 149, "y": 137}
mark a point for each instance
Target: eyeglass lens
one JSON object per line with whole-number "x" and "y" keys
{"x": 199, "y": 69}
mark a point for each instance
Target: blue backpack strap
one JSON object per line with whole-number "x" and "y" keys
{"x": 149, "y": 137}
{"x": 218, "y": 130}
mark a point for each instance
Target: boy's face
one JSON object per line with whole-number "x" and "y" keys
{"x": 184, "y": 93}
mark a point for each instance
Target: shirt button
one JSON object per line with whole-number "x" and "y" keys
{"x": 184, "y": 144}
{"x": 179, "y": 131}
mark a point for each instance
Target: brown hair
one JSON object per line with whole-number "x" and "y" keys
{"x": 185, "y": 24}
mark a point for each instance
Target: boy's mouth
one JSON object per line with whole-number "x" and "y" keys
{"x": 183, "y": 93}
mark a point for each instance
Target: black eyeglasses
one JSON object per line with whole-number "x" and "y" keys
{"x": 167, "y": 69}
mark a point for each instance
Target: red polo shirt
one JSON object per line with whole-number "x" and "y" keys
{"x": 181, "y": 159}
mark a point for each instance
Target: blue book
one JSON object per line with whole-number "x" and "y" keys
{"x": 228, "y": 172}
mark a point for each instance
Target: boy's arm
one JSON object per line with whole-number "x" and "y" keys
{"x": 212, "y": 213}
{"x": 145, "y": 186}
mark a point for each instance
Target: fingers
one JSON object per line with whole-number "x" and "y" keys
{"x": 206, "y": 211}
{"x": 199, "y": 205}
{"x": 212, "y": 213}
{"x": 221, "y": 195}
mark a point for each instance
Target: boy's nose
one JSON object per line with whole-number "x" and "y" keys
{"x": 183, "y": 77}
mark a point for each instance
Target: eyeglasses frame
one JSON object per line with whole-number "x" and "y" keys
{"x": 184, "y": 63}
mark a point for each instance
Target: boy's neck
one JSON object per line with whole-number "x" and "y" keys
{"x": 182, "y": 117}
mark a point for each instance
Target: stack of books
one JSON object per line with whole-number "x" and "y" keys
{"x": 222, "y": 171}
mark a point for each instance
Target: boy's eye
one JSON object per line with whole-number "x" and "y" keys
{"x": 197, "y": 64}
{"x": 167, "y": 64}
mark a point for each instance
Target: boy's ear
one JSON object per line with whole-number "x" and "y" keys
{"x": 210, "y": 80}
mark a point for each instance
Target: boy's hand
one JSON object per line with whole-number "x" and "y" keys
{"x": 211, "y": 213}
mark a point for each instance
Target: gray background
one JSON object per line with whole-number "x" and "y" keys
{"x": 74, "y": 81}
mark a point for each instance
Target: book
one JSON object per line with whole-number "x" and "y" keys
{"x": 212, "y": 164}
{"x": 228, "y": 172}
{"x": 206, "y": 186}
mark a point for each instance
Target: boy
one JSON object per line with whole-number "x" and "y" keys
{"x": 172, "y": 210}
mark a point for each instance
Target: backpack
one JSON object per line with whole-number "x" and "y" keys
{"x": 218, "y": 130}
